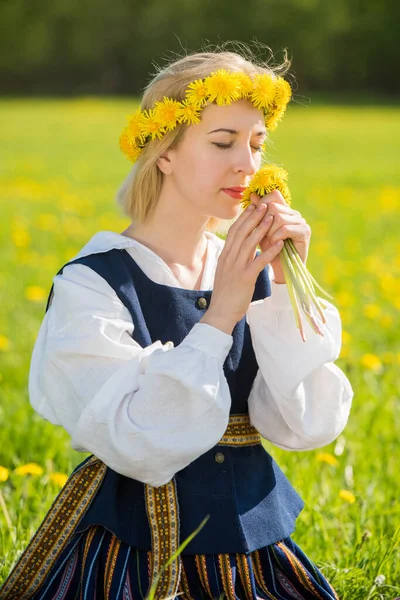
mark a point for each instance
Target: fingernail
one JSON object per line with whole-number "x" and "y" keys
{"x": 261, "y": 206}
{"x": 250, "y": 207}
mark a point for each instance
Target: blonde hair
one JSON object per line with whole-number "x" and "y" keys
{"x": 139, "y": 193}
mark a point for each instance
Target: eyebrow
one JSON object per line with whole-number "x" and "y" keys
{"x": 234, "y": 132}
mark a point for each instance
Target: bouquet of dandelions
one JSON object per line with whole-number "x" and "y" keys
{"x": 300, "y": 283}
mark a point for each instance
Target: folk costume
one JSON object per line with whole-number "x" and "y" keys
{"x": 172, "y": 412}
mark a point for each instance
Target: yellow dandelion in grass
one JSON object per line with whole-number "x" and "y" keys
{"x": 197, "y": 93}
{"x": 59, "y": 479}
{"x": 35, "y": 293}
{"x": 262, "y": 94}
{"x": 151, "y": 126}
{"x": 29, "y": 469}
{"x": 346, "y": 337}
{"x": 268, "y": 178}
{"x": 245, "y": 84}
{"x": 189, "y": 113}
{"x": 134, "y": 129}
{"x": 223, "y": 87}
{"x": 4, "y": 343}
{"x": 372, "y": 311}
{"x": 167, "y": 113}
{"x": 3, "y": 474}
{"x": 371, "y": 362}
{"x": 20, "y": 237}
{"x": 386, "y": 321}
{"x": 327, "y": 458}
{"x": 128, "y": 146}
{"x": 347, "y": 496}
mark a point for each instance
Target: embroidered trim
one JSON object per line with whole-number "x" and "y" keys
{"x": 163, "y": 516}
{"x": 201, "y": 565}
{"x": 258, "y": 574}
{"x": 244, "y": 573}
{"x": 240, "y": 433}
{"x": 55, "y": 531}
{"x": 226, "y": 576}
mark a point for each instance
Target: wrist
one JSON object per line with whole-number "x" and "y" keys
{"x": 218, "y": 321}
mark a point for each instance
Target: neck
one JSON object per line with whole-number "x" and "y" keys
{"x": 175, "y": 231}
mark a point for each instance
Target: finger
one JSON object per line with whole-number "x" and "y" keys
{"x": 283, "y": 219}
{"x": 243, "y": 231}
{"x": 249, "y": 246}
{"x": 264, "y": 258}
{"x": 300, "y": 233}
{"x": 273, "y": 208}
{"x": 274, "y": 196}
{"x": 244, "y": 215}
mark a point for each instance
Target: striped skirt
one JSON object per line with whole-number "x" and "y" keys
{"x": 63, "y": 562}
{"x": 95, "y": 565}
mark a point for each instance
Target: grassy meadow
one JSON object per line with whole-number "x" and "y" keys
{"x": 59, "y": 169}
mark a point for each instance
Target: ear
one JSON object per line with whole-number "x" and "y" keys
{"x": 164, "y": 163}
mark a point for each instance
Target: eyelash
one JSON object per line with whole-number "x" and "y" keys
{"x": 226, "y": 146}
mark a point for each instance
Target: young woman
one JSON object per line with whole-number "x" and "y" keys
{"x": 167, "y": 352}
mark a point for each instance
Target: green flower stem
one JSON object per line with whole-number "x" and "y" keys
{"x": 307, "y": 272}
{"x": 294, "y": 278}
{"x": 308, "y": 284}
{"x": 292, "y": 292}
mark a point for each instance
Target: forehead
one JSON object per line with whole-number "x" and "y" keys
{"x": 240, "y": 115}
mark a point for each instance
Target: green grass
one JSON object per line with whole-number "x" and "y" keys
{"x": 58, "y": 175}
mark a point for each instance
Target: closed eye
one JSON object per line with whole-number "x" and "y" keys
{"x": 226, "y": 146}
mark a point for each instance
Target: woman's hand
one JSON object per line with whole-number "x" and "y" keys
{"x": 238, "y": 268}
{"x": 287, "y": 223}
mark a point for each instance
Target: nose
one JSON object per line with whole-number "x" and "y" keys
{"x": 246, "y": 161}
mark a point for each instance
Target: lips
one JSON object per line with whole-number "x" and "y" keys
{"x": 239, "y": 188}
{"x": 235, "y": 192}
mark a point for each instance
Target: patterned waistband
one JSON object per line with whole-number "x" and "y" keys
{"x": 163, "y": 514}
{"x": 240, "y": 432}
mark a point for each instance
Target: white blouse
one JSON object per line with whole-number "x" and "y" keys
{"x": 149, "y": 412}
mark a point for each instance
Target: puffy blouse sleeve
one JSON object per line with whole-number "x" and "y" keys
{"x": 300, "y": 399}
{"x": 145, "y": 412}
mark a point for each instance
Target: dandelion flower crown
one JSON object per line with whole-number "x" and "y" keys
{"x": 269, "y": 93}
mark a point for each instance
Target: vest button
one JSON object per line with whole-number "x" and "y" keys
{"x": 219, "y": 457}
{"x": 202, "y": 303}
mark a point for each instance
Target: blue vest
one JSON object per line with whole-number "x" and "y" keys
{"x": 250, "y": 502}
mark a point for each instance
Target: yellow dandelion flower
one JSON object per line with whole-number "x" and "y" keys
{"x": 128, "y": 146}
{"x": 371, "y": 362}
{"x": 262, "y": 94}
{"x": 4, "y": 343}
{"x": 59, "y": 479}
{"x": 327, "y": 458}
{"x": 29, "y": 469}
{"x": 386, "y": 322}
{"x": 347, "y": 496}
{"x": 223, "y": 87}
{"x": 281, "y": 98}
{"x": 167, "y": 113}
{"x": 47, "y": 222}
{"x": 35, "y": 293}
{"x": 346, "y": 337}
{"x": 3, "y": 474}
{"x": 282, "y": 92}
{"x": 189, "y": 113}
{"x": 151, "y": 126}
{"x": 245, "y": 84}
{"x": 133, "y": 128}
{"x": 20, "y": 236}
{"x": 372, "y": 311}
{"x": 268, "y": 178}
{"x": 197, "y": 92}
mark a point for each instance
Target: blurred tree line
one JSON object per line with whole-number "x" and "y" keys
{"x": 98, "y": 46}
